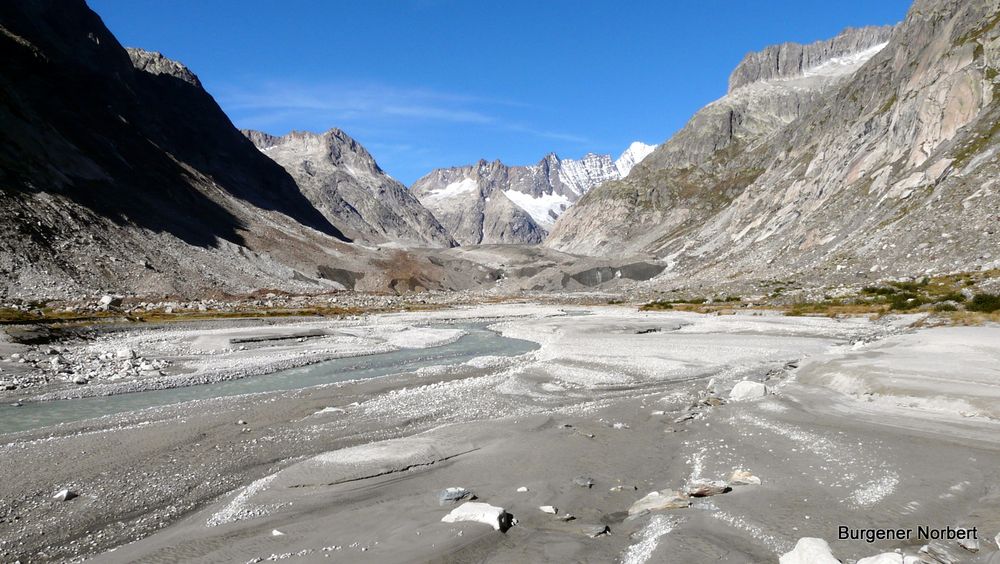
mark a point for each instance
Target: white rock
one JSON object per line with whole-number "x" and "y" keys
{"x": 65, "y": 495}
{"x": 884, "y": 558}
{"x": 125, "y": 353}
{"x": 594, "y": 531}
{"x": 657, "y": 501}
{"x": 277, "y": 533}
{"x": 522, "y": 489}
{"x": 972, "y": 545}
{"x": 548, "y": 509}
{"x": 454, "y": 495}
{"x": 744, "y": 478}
{"x": 747, "y": 390}
{"x": 809, "y": 551}
{"x": 706, "y": 488}
{"x": 496, "y": 517}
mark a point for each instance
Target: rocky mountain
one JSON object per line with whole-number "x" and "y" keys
{"x": 721, "y": 150}
{"x": 490, "y": 202}
{"x": 347, "y": 186}
{"x": 118, "y": 171}
{"x": 871, "y": 155}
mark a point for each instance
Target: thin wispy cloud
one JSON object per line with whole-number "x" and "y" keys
{"x": 345, "y": 104}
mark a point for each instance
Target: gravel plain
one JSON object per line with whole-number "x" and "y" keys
{"x": 613, "y": 405}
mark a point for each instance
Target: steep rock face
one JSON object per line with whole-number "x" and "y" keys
{"x": 119, "y": 172}
{"x": 792, "y": 60}
{"x": 890, "y": 171}
{"x": 894, "y": 175}
{"x": 469, "y": 202}
{"x": 721, "y": 150}
{"x": 347, "y": 186}
{"x": 495, "y": 203}
{"x": 155, "y": 63}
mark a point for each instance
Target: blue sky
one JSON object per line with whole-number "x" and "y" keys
{"x": 434, "y": 83}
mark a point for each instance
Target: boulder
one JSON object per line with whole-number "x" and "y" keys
{"x": 744, "y": 478}
{"x": 496, "y": 517}
{"x": 937, "y": 553}
{"x": 125, "y": 353}
{"x": 971, "y": 544}
{"x": 705, "y": 488}
{"x": 884, "y": 558}
{"x": 747, "y": 390}
{"x": 659, "y": 501}
{"x": 548, "y": 509}
{"x": 65, "y": 495}
{"x": 454, "y": 495}
{"x": 809, "y": 551}
{"x": 522, "y": 489}
{"x": 594, "y": 531}
{"x": 109, "y": 302}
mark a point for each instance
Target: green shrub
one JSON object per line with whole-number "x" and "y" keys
{"x": 945, "y": 307}
{"x": 911, "y": 286}
{"x": 986, "y": 303}
{"x": 878, "y": 291}
{"x": 905, "y": 301}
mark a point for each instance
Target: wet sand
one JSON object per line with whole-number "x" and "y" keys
{"x": 608, "y": 397}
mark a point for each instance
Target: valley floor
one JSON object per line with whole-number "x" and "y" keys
{"x": 865, "y": 424}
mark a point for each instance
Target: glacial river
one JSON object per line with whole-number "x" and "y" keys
{"x": 479, "y": 341}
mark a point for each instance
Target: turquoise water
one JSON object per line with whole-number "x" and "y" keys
{"x": 478, "y": 342}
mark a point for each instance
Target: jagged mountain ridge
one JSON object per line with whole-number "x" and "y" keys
{"x": 118, "y": 172}
{"x": 490, "y": 202}
{"x": 887, "y": 171}
{"x": 348, "y": 187}
{"x": 720, "y": 151}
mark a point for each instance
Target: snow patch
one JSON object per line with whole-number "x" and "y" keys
{"x": 543, "y": 209}
{"x": 464, "y": 187}
{"x": 632, "y": 156}
{"x": 843, "y": 65}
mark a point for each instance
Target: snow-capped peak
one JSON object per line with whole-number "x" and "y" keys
{"x": 633, "y": 156}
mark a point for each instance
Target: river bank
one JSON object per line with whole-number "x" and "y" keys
{"x": 624, "y": 403}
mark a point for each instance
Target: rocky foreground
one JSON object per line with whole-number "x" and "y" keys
{"x": 657, "y": 436}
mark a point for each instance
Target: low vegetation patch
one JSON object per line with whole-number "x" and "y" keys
{"x": 984, "y": 303}
{"x": 939, "y": 294}
{"x": 692, "y": 304}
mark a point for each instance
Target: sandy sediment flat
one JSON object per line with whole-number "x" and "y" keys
{"x": 626, "y": 402}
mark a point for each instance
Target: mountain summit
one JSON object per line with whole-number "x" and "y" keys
{"x": 348, "y": 187}
{"x": 490, "y": 202}
{"x": 871, "y": 155}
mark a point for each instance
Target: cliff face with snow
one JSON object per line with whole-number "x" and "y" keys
{"x": 871, "y": 155}
{"x": 721, "y": 150}
{"x": 348, "y": 187}
{"x": 490, "y": 202}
